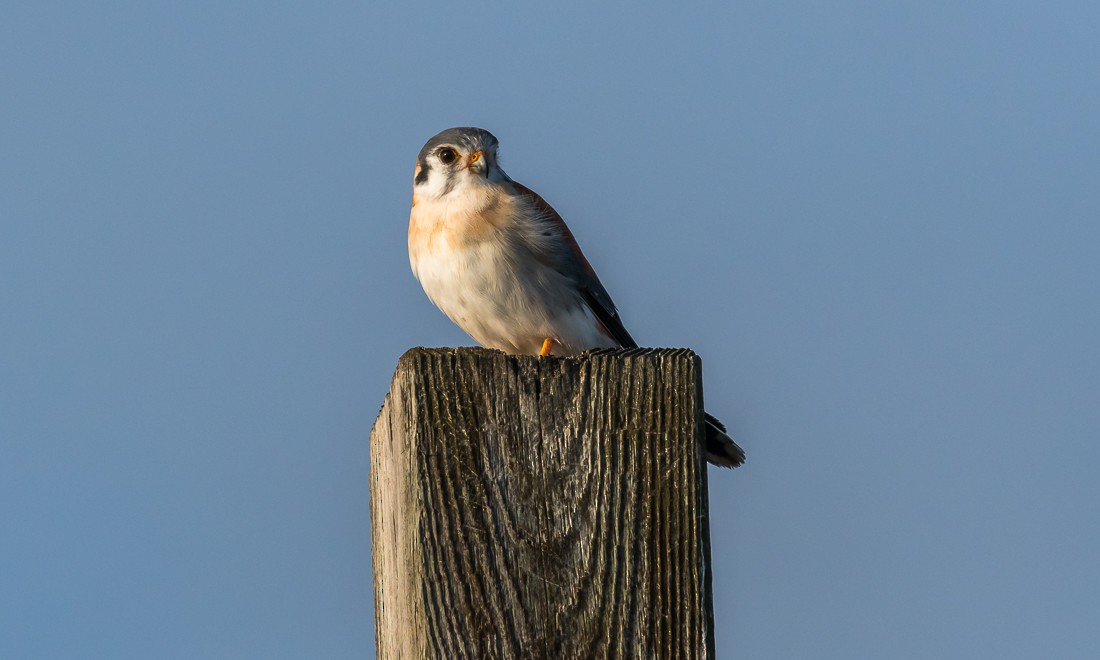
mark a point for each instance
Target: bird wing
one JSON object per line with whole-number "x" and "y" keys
{"x": 575, "y": 266}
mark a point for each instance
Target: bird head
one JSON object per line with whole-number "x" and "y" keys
{"x": 457, "y": 160}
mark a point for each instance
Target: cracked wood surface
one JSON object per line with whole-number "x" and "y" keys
{"x": 527, "y": 507}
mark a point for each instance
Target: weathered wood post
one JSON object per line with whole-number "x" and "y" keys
{"x": 526, "y": 507}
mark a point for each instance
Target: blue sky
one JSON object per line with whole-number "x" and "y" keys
{"x": 876, "y": 222}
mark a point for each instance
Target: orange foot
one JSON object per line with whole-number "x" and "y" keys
{"x": 547, "y": 344}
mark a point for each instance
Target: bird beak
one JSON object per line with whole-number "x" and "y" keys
{"x": 475, "y": 158}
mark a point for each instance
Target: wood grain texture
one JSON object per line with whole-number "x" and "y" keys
{"x": 529, "y": 507}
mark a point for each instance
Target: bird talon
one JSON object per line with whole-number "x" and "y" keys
{"x": 547, "y": 345}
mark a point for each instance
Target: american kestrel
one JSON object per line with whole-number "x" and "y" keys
{"x": 502, "y": 264}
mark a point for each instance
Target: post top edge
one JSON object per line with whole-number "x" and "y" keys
{"x": 480, "y": 352}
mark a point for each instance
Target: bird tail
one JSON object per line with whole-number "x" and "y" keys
{"x": 721, "y": 449}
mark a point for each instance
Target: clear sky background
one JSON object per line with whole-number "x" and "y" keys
{"x": 876, "y": 222}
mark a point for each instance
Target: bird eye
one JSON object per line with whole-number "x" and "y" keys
{"x": 447, "y": 155}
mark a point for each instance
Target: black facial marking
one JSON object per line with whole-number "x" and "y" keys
{"x": 422, "y": 175}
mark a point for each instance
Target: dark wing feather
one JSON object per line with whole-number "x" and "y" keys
{"x": 720, "y": 448}
{"x": 577, "y": 268}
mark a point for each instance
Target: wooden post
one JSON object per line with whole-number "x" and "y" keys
{"x": 526, "y": 507}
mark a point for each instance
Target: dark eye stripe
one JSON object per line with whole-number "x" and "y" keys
{"x": 422, "y": 175}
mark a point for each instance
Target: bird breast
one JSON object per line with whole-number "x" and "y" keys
{"x": 478, "y": 263}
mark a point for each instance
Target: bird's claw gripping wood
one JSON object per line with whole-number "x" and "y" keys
{"x": 547, "y": 346}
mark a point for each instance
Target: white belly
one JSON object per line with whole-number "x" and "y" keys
{"x": 506, "y": 303}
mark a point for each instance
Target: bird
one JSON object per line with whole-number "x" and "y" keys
{"x": 501, "y": 263}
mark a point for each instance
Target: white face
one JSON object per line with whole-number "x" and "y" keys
{"x": 452, "y": 169}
